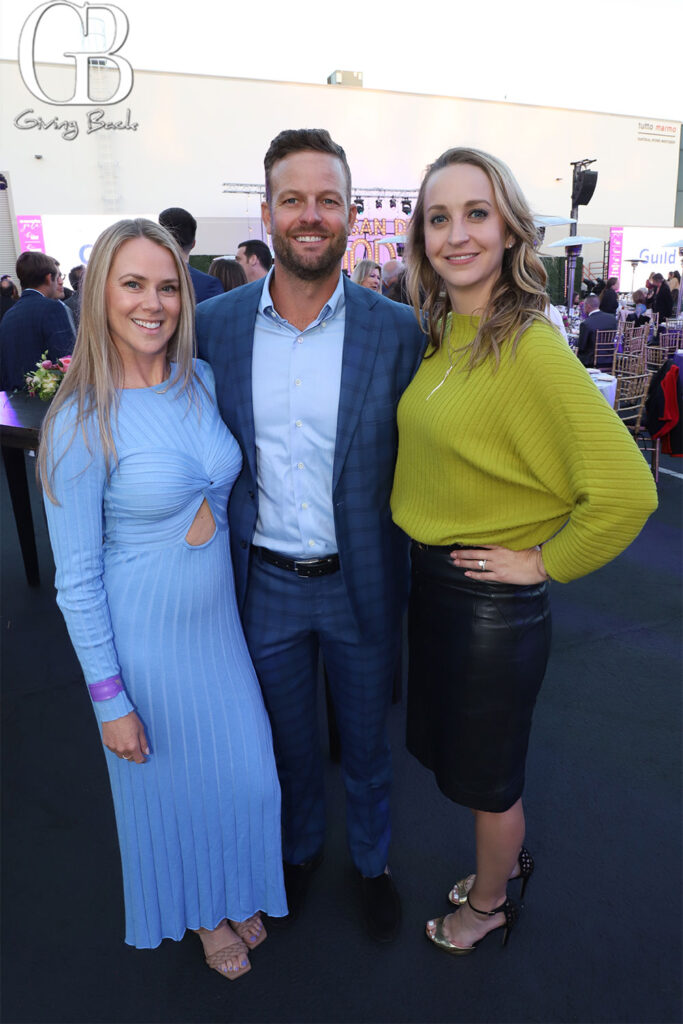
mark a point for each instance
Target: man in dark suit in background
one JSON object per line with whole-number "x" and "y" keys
{"x": 595, "y": 321}
{"x": 38, "y": 322}
{"x": 73, "y": 303}
{"x": 183, "y": 227}
{"x": 254, "y": 258}
{"x": 662, "y": 301}
{"x": 309, "y": 369}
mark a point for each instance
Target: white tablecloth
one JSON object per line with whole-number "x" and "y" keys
{"x": 606, "y": 384}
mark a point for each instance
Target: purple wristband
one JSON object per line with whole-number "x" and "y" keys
{"x": 106, "y": 688}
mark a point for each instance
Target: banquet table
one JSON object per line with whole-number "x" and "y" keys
{"x": 606, "y": 385}
{"x": 20, "y": 420}
{"x": 678, "y": 359}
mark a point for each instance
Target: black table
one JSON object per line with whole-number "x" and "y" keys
{"x": 20, "y": 419}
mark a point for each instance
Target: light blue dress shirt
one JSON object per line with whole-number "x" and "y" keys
{"x": 296, "y": 378}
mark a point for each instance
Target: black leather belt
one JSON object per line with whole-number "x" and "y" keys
{"x": 441, "y": 547}
{"x": 301, "y": 566}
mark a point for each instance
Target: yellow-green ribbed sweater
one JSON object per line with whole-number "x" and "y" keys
{"x": 527, "y": 454}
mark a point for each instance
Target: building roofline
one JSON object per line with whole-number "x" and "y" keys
{"x": 364, "y": 90}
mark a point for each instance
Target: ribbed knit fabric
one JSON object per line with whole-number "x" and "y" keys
{"x": 199, "y": 822}
{"x": 527, "y": 454}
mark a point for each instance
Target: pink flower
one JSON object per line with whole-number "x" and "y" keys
{"x": 64, "y": 363}
{"x": 46, "y": 364}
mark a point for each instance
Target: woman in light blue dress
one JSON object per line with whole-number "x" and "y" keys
{"x": 137, "y": 467}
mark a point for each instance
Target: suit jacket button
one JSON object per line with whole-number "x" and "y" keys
{"x": 243, "y": 544}
{"x": 251, "y": 494}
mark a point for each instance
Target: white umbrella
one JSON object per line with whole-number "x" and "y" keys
{"x": 551, "y": 221}
{"x": 573, "y": 240}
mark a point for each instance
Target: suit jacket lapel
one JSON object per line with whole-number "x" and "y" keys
{"x": 238, "y": 374}
{"x": 361, "y": 338}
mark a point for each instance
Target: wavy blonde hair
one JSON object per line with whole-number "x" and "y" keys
{"x": 362, "y": 269}
{"x": 95, "y": 373}
{"x": 518, "y": 297}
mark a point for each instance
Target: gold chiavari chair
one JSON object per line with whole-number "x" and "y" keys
{"x": 672, "y": 337}
{"x": 605, "y": 347}
{"x": 629, "y": 402}
{"x": 634, "y": 337}
{"x": 630, "y": 363}
{"x": 656, "y": 356}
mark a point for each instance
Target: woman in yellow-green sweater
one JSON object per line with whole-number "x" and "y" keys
{"x": 512, "y": 469}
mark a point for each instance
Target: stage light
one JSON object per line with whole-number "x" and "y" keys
{"x": 406, "y": 206}
{"x": 359, "y": 204}
{"x": 392, "y": 203}
{"x": 378, "y": 204}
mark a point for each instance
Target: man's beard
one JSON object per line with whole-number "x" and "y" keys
{"x": 313, "y": 268}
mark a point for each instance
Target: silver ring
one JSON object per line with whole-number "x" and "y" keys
{"x": 127, "y": 758}
{"x": 482, "y": 564}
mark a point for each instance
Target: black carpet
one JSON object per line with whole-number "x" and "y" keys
{"x": 599, "y": 938}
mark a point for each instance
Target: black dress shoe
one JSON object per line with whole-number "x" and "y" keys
{"x": 297, "y": 880}
{"x": 381, "y": 907}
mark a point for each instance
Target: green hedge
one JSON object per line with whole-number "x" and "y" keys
{"x": 555, "y": 269}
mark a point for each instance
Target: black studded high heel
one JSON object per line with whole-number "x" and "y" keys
{"x": 459, "y": 892}
{"x": 440, "y": 939}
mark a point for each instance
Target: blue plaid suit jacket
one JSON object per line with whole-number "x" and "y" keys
{"x": 383, "y": 346}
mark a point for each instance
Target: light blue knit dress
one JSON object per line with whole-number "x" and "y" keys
{"x": 199, "y": 822}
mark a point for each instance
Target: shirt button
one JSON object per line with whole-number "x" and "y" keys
{"x": 299, "y": 465}
{"x": 323, "y": 324}
{"x": 304, "y": 504}
{"x": 311, "y": 543}
{"x": 299, "y": 341}
{"x": 297, "y": 381}
{"x": 298, "y": 423}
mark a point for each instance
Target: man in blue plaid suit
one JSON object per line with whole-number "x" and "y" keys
{"x": 309, "y": 370}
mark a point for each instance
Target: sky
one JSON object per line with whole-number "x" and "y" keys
{"x": 614, "y": 56}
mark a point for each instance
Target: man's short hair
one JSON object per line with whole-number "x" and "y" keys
{"x": 33, "y": 267}
{"x": 181, "y": 224}
{"x": 592, "y": 302}
{"x": 298, "y": 140}
{"x": 255, "y": 247}
{"x": 75, "y": 275}
{"x": 658, "y": 278}
{"x": 612, "y": 281}
{"x": 391, "y": 270}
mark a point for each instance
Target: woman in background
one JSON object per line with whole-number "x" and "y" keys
{"x": 230, "y": 273}
{"x": 639, "y": 317}
{"x": 368, "y": 274}
{"x": 502, "y": 486}
{"x": 136, "y": 466}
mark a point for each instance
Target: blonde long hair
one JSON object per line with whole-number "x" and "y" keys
{"x": 363, "y": 269}
{"x": 518, "y": 297}
{"x": 96, "y": 372}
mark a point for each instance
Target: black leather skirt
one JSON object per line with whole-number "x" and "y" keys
{"x": 478, "y": 654}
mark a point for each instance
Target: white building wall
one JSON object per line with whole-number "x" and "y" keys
{"x": 196, "y": 132}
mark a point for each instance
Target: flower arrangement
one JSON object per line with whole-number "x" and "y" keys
{"x": 47, "y": 376}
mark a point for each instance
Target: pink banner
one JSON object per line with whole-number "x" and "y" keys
{"x": 30, "y": 233}
{"x": 616, "y": 247}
